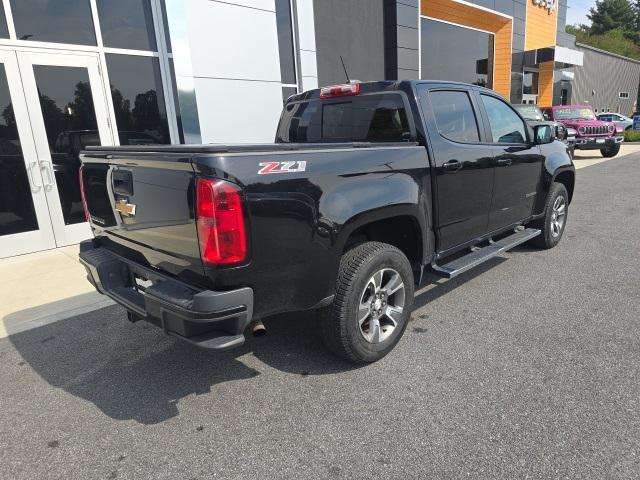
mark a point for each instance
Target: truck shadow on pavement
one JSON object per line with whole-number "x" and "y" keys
{"x": 136, "y": 372}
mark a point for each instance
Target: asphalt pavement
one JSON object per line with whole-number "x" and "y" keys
{"x": 526, "y": 367}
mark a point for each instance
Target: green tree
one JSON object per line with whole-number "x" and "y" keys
{"x": 615, "y": 41}
{"x": 610, "y": 15}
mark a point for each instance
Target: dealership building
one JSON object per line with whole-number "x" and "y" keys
{"x": 85, "y": 72}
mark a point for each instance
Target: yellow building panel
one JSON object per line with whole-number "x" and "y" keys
{"x": 545, "y": 84}
{"x": 541, "y": 27}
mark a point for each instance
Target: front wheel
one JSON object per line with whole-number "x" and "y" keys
{"x": 553, "y": 222}
{"x": 372, "y": 303}
{"x": 610, "y": 151}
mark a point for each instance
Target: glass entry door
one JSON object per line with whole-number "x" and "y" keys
{"x": 25, "y": 224}
{"x": 67, "y": 109}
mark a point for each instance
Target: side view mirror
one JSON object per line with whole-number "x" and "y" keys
{"x": 543, "y": 134}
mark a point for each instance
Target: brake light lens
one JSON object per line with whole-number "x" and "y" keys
{"x": 345, "y": 90}
{"x": 220, "y": 220}
{"x": 87, "y": 217}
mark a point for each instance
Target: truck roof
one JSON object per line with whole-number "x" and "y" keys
{"x": 386, "y": 85}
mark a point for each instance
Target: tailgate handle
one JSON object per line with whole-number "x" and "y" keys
{"x": 452, "y": 165}
{"x": 123, "y": 182}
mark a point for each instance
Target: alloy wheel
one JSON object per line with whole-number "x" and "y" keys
{"x": 558, "y": 215}
{"x": 381, "y": 305}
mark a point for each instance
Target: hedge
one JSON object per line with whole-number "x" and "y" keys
{"x": 632, "y": 136}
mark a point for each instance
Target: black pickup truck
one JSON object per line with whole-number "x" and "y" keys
{"x": 366, "y": 186}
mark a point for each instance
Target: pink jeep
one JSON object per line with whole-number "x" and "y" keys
{"x": 591, "y": 133}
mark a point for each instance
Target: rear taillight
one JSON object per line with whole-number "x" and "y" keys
{"x": 345, "y": 90}
{"x": 83, "y": 196}
{"x": 220, "y": 220}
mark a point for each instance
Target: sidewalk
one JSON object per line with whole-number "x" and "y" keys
{"x": 586, "y": 158}
{"x": 44, "y": 287}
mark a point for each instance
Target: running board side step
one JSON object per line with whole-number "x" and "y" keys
{"x": 481, "y": 255}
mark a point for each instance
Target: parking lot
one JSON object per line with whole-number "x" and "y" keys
{"x": 527, "y": 367}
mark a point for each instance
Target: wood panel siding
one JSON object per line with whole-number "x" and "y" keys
{"x": 540, "y": 28}
{"x": 473, "y": 17}
{"x": 545, "y": 84}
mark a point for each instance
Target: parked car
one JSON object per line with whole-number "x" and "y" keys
{"x": 534, "y": 116}
{"x": 592, "y": 134}
{"x": 366, "y": 186}
{"x": 621, "y": 122}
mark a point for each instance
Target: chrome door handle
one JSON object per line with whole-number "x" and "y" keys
{"x": 452, "y": 165}
{"x": 49, "y": 169}
{"x": 35, "y": 188}
{"x": 504, "y": 162}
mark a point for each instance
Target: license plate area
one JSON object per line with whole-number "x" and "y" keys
{"x": 600, "y": 140}
{"x": 141, "y": 283}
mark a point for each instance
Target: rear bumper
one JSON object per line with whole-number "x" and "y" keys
{"x": 596, "y": 143}
{"x": 205, "y": 318}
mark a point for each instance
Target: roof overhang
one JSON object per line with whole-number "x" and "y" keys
{"x": 562, "y": 56}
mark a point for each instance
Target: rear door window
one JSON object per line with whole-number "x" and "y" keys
{"x": 454, "y": 116}
{"x": 368, "y": 118}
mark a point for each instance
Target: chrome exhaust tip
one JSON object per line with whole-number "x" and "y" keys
{"x": 257, "y": 328}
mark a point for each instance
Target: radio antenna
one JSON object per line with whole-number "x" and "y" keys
{"x": 345, "y": 70}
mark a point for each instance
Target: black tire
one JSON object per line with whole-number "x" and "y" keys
{"x": 610, "y": 151}
{"x": 339, "y": 325}
{"x": 549, "y": 238}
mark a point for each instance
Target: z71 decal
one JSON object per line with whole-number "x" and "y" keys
{"x": 282, "y": 167}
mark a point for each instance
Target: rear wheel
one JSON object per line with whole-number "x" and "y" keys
{"x": 372, "y": 303}
{"x": 610, "y": 151}
{"x": 555, "y": 217}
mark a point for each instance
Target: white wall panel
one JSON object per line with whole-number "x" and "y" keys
{"x": 232, "y": 41}
{"x": 233, "y": 111}
{"x": 259, "y": 4}
{"x": 308, "y": 63}
{"x": 306, "y": 25}
{"x": 307, "y": 44}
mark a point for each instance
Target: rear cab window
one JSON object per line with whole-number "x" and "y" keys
{"x": 364, "y": 118}
{"x": 454, "y": 116}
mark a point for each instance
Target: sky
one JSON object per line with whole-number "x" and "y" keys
{"x": 577, "y": 11}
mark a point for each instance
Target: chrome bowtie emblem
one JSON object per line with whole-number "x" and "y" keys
{"x": 126, "y": 209}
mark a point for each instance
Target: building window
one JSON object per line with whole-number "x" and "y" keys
{"x": 530, "y": 82}
{"x": 59, "y": 21}
{"x": 451, "y": 52}
{"x": 127, "y": 24}
{"x": 138, "y": 99}
{"x": 623, "y": 95}
{"x": 286, "y": 47}
{"x": 17, "y": 213}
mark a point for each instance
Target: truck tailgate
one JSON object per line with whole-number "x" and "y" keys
{"x": 141, "y": 206}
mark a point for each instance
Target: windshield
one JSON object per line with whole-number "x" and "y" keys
{"x": 568, "y": 113}
{"x": 529, "y": 112}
